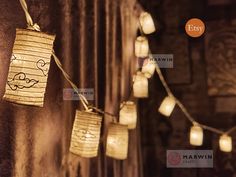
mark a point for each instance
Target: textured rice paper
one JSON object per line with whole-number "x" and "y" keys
{"x": 86, "y": 134}
{"x": 29, "y": 67}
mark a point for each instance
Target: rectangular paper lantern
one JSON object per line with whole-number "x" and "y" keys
{"x": 29, "y": 66}
{"x": 128, "y": 114}
{"x": 86, "y": 134}
{"x": 196, "y": 135}
{"x": 117, "y": 141}
{"x": 140, "y": 86}
{"x": 167, "y": 106}
{"x": 225, "y": 143}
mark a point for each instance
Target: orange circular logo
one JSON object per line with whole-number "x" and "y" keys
{"x": 195, "y": 27}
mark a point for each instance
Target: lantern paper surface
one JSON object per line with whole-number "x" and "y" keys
{"x": 140, "y": 86}
{"x": 225, "y": 143}
{"x": 117, "y": 141}
{"x": 146, "y": 23}
{"x": 196, "y": 135}
{"x": 148, "y": 68}
{"x": 141, "y": 47}
{"x": 128, "y": 114}
{"x": 86, "y": 134}
{"x": 167, "y": 106}
{"x": 29, "y": 66}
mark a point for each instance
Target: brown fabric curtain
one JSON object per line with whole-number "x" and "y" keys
{"x": 95, "y": 44}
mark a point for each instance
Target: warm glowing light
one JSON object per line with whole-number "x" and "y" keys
{"x": 141, "y": 47}
{"x": 148, "y": 68}
{"x": 225, "y": 143}
{"x": 29, "y": 67}
{"x": 117, "y": 141}
{"x": 167, "y": 106}
{"x": 146, "y": 23}
{"x": 86, "y": 134}
{"x": 196, "y": 135}
{"x": 128, "y": 114}
{"x": 140, "y": 86}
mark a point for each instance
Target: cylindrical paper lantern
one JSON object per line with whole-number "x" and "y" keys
{"x": 225, "y": 143}
{"x": 141, "y": 47}
{"x": 167, "y": 106}
{"x": 128, "y": 114}
{"x": 146, "y": 23}
{"x": 196, "y": 135}
{"x": 140, "y": 86}
{"x": 28, "y": 72}
{"x": 148, "y": 68}
{"x": 117, "y": 141}
{"x": 86, "y": 134}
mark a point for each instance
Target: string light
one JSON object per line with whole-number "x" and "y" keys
{"x": 140, "y": 86}
{"x": 117, "y": 139}
{"x": 196, "y": 135}
{"x": 225, "y": 143}
{"x": 167, "y": 106}
{"x": 128, "y": 114}
{"x": 146, "y": 23}
{"x": 141, "y": 47}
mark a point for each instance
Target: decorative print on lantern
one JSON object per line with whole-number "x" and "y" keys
{"x": 141, "y": 47}
{"x": 128, "y": 114}
{"x": 196, "y": 135}
{"x": 30, "y": 61}
{"x": 225, "y": 143}
{"x": 86, "y": 134}
{"x": 117, "y": 141}
{"x": 146, "y": 22}
{"x": 148, "y": 68}
{"x": 167, "y": 106}
{"x": 140, "y": 86}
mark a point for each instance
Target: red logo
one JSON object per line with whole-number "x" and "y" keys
{"x": 174, "y": 158}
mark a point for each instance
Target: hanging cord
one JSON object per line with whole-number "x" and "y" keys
{"x": 31, "y": 25}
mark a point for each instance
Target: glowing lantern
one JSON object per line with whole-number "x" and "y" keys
{"x": 167, "y": 106}
{"x": 86, "y": 134}
{"x": 128, "y": 114}
{"x": 140, "y": 86}
{"x": 225, "y": 143}
{"x": 196, "y": 135}
{"x": 146, "y": 23}
{"x": 29, "y": 67}
{"x": 141, "y": 47}
{"x": 117, "y": 141}
{"x": 148, "y": 68}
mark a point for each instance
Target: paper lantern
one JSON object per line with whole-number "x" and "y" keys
{"x": 117, "y": 141}
{"x": 146, "y": 23}
{"x": 141, "y": 47}
{"x": 86, "y": 134}
{"x": 196, "y": 135}
{"x": 148, "y": 68}
{"x": 128, "y": 114}
{"x": 167, "y": 106}
{"x": 225, "y": 143}
{"x": 140, "y": 86}
{"x": 29, "y": 66}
